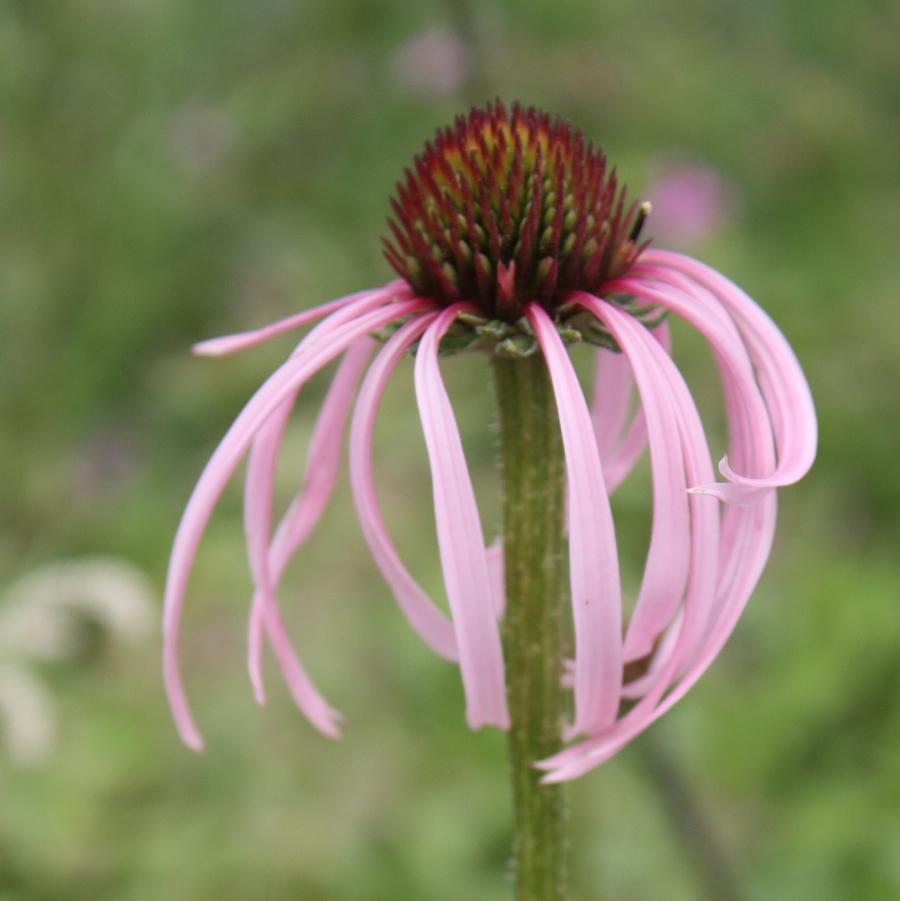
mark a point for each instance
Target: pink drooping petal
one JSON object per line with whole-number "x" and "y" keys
{"x": 228, "y": 344}
{"x": 699, "y": 601}
{"x": 609, "y": 399}
{"x": 258, "y": 486}
{"x": 750, "y": 430}
{"x": 680, "y": 643}
{"x": 754, "y": 543}
{"x": 323, "y": 463}
{"x": 303, "y": 516}
{"x": 302, "y": 689}
{"x": 702, "y": 309}
{"x": 781, "y": 379}
{"x": 627, "y": 452}
{"x": 638, "y": 688}
{"x": 620, "y": 459}
{"x": 268, "y": 564}
{"x": 498, "y": 576}
{"x": 744, "y": 402}
{"x": 460, "y": 539}
{"x": 746, "y": 537}
{"x": 676, "y": 437}
{"x": 424, "y": 616}
{"x": 666, "y": 571}
{"x": 280, "y": 385}
{"x": 323, "y": 458}
{"x": 593, "y": 558}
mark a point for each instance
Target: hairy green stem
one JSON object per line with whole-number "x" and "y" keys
{"x": 532, "y": 466}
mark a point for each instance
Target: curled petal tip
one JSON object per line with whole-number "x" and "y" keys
{"x": 550, "y": 763}
{"x": 712, "y": 489}
{"x": 359, "y": 302}
{"x": 500, "y": 721}
{"x": 553, "y": 771}
{"x": 552, "y": 778}
{"x": 209, "y": 348}
{"x": 194, "y": 741}
{"x": 332, "y": 730}
{"x": 732, "y": 493}
{"x": 213, "y": 347}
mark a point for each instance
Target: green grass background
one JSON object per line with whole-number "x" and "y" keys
{"x": 173, "y": 170}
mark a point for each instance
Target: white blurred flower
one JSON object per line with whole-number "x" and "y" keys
{"x": 27, "y": 716}
{"x": 41, "y": 615}
{"x": 434, "y": 62}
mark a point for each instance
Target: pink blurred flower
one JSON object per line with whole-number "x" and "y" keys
{"x": 691, "y": 201}
{"x": 435, "y": 62}
{"x": 703, "y": 559}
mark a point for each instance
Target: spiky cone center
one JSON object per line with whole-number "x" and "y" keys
{"x": 505, "y": 208}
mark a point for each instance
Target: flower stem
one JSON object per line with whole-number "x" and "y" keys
{"x": 532, "y": 466}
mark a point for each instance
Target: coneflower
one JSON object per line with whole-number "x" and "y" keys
{"x": 513, "y": 239}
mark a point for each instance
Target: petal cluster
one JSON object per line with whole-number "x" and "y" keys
{"x": 709, "y": 539}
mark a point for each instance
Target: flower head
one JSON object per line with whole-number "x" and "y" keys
{"x": 504, "y": 209}
{"x": 511, "y": 228}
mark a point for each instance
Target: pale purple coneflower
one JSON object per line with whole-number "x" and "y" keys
{"x": 513, "y": 238}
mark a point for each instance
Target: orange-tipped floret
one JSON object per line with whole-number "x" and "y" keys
{"x": 504, "y": 208}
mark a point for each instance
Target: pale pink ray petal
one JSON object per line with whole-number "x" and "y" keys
{"x": 255, "y": 635}
{"x": 495, "y": 567}
{"x": 609, "y": 399}
{"x": 303, "y": 691}
{"x": 621, "y": 460}
{"x": 228, "y": 344}
{"x": 754, "y": 549}
{"x": 700, "y": 602}
{"x": 218, "y": 471}
{"x": 746, "y": 539}
{"x": 637, "y": 688}
{"x": 700, "y": 306}
{"x": 423, "y": 615}
{"x": 751, "y": 440}
{"x": 704, "y": 547}
{"x": 593, "y": 558}
{"x": 667, "y": 562}
{"x": 323, "y": 464}
{"x": 267, "y": 564}
{"x": 750, "y": 431}
{"x": 742, "y": 395}
{"x": 689, "y": 626}
{"x": 626, "y": 454}
{"x": 781, "y": 379}
{"x": 460, "y": 539}
{"x": 666, "y": 570}
{"x": 258, "y": 486}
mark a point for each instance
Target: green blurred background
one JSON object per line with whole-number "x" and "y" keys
{"x": 174, "y": 170}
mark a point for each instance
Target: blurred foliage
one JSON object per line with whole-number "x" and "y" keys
{"x": 170, "y": 171}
